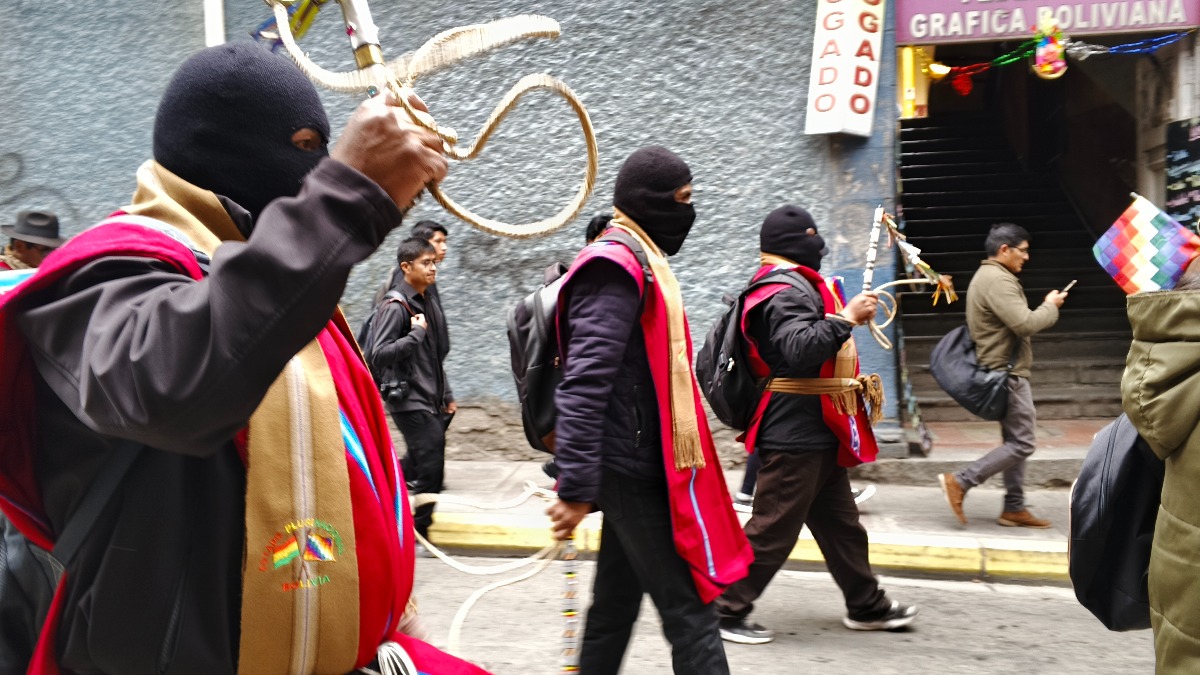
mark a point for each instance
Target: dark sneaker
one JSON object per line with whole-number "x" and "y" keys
{"x": 745, "y": 632}
{"x": 743, "y": 502}
{"x": 550, "y": 468}
{"x": 897, "y": 616}
{"x": 954, "y": 495}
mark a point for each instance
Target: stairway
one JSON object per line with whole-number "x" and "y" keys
{"x": 958, "y": 176}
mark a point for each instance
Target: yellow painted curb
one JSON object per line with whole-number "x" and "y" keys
{"x": 928, "y": 553}
{"x": 1040, "y": 559}
{"x": 512, "y": 533}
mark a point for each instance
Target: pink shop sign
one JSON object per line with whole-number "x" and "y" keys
{"x": 943, "y": 21}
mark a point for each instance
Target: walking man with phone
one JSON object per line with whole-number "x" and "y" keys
{"x": 1001, "y": 325}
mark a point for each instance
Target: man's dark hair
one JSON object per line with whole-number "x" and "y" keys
{"x": 412, "y": 248}
{"x": 1005, "y": 233}
{"x": 425, "y": 229}
{"x": 597, "y": 225}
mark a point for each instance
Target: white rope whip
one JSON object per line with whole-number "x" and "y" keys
{"x": 442, "y": 51}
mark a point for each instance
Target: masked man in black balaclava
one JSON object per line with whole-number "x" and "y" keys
{"x": 649, "y": 466}
{"x": 196, "y": 392}
{"x": 800, "y": 334}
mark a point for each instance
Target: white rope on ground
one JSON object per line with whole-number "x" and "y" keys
{"x": 488, "y": 570}
{"x": 542, "y": 557}
{"x": 530, "y": 489}
{"x": 461, "y": 616}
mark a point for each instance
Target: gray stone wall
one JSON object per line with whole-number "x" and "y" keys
{"x": 723, "y": 84}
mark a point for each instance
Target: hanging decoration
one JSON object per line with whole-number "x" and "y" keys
{"x": 1049, "y": 62}
{"x": 960, "y": 76}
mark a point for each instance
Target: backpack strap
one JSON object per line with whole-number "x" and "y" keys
{"x": 98, "y": 495}
{"x": 621, "y": 236}
{"x": 784, "y": 277}
{"x": 396, "y": 296}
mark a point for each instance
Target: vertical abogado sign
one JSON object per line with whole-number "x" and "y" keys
{"x": 845, "y": 67}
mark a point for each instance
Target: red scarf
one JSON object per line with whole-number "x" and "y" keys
{"x": 707, "y": 533}
{"x": 385, "y": 567}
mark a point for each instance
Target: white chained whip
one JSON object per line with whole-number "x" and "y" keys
{"x": 887, "y": 302}
{"x": 442, "y": 51}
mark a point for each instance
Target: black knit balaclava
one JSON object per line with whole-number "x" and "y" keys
{"x": 226, "y": 121}
{"x": 785, "y": 233}
{"x": 645, "y": 192}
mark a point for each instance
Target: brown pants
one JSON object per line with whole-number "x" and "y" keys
{"x": 794, "y": 489}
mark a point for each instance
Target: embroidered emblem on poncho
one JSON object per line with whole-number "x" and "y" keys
{"x": 298, "y": 546}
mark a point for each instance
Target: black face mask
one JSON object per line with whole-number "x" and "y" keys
{"x": 785, "y": 233}
{"x": 667, "y": 224}
{"x": 645, "y": 192}
{"x": 226, "y": 120}
{"x": 809, "y": 251}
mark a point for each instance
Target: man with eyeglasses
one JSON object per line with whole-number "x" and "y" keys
{"x": 33, "y": 237}
{"x": 1001, "y": 325}
{"x": 407, "y": 346}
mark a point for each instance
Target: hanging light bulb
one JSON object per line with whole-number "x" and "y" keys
{"x": 938, "y": 70}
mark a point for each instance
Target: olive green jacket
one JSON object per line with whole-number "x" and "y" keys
{"x": 1160, "y": 392}
{"x": 1000, "y": 320}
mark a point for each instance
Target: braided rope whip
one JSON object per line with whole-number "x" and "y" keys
{"x": 440, "y": 52}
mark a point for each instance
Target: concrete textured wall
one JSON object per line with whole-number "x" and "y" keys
{"x": 723, "y": 84}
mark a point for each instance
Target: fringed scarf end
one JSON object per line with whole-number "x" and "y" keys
{"x": 873, "y": 395}
{"x": 689, "y": 451}
{"x": 871, "y": 389}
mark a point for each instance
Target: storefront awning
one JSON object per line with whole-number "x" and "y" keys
{"x": 945, "y": 21}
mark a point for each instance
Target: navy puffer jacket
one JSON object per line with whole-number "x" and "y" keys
{"x": 607, "y": 407}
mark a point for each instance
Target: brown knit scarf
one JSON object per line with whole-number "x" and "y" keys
{"x": 844, "y": 387}
{"x": 9, "y": 257}
{"x": 298, "y": 615}
{"x": 685, "y": 428}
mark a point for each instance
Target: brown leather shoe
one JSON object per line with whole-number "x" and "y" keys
{"x": 1022, "y": 518}
{"x": 954, "y": 495}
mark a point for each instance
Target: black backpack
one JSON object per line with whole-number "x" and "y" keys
{"x": 533, "y": 346}
{"x": 1114, "y": 503}
{"x": 366, "y": 334}
{"x": 723, "y": 364}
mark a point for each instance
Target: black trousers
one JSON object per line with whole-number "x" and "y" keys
{"x": 794, "y": 489}
{"x": 637, "y": 556}
{"x": 424, "y": 463}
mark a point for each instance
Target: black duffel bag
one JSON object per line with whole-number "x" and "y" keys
{"x": 1114, "y": 503}
{"x": 982, "y": 391}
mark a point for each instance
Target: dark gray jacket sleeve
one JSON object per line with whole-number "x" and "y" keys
{"x": 395, "y": 338}
{"x": 141, "y": 352}
{"x": 800, "y": 332}
{"x": 602, "y": 306}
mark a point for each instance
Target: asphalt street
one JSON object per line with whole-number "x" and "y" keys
{"x": 964, "y": 627}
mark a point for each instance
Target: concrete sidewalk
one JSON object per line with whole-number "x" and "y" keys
{"x": 911, "y": 528}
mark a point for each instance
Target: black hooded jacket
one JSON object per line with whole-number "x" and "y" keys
{"x": 156, "y": 587}
{"x": 795, "y": 339}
